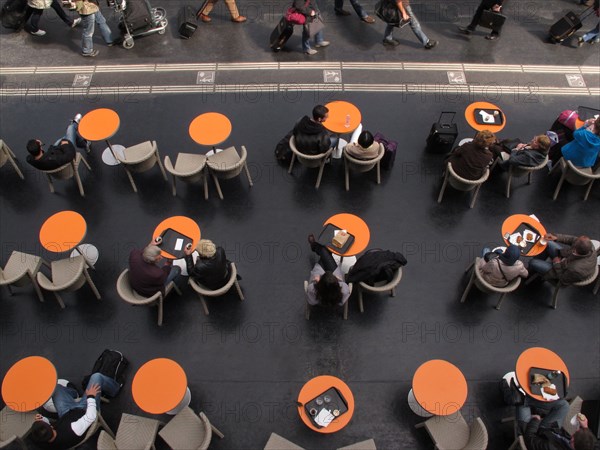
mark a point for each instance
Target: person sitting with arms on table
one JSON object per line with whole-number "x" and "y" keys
{"x": 570, "y": 263}
{"x": 365, "y": 147}
{"x": 526, "y": 155}
{"x": 538, "y": 438}
{"x": 75, "y": 415}
{"x": 471, "y": 159}
{"x": 145, "y": 276}
{"x": 499, "y": 268}
{"x": 311, "y": 137}
{"x": 326, "y": 286}
{"x": 211, "y": 268}
{"x": 583, "y": 150}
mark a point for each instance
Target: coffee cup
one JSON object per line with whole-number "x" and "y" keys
{"x": 158, "y": 240}
{"x": 313, "y": 411}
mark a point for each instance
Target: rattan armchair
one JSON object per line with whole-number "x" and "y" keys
{"x": 453, "y": 433}
{"x": 311, "y": 161}
{"x": 189, "y": 168}
{"x": 67, "y": 171}
{"x": 14, "y": 427}
{"x": 352, "y": 164}
{"x": 134, "y": 433}
{"x": 228, "y": 164}
{"x": 379, "y": 287}
{"x": 7, "y": 155}
{"x": 462, "y": 184}
{"x": 204, "y": 291}
{"x": 20, "y": 270}
{"x": 574, "y": 175}
{"x": 477, "y": 280}
{"x": 140, "y": 158}
{"x": 188, "y": 431}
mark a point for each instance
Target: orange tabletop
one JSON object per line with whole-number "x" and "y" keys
{"x": 183, "y": 225}
{"x": 210, "y": 128}
{"x": 439, "y": 387}
{"x": 29, "y": 383}
{"x": 313, "y": 388}
{"x": 356, "y": 227}
{"x": 159, "y": 386}
{"x": 63, "y": 231}
{"x": 542, "y": 358}
{"x": 513, "y": 222}
{"x": 338, "y": 112}
{"x": 470, "y": 116}
{"x": 99, "y": 124}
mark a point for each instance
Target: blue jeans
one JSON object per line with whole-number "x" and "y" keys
{"x": 66, "y": 399}
{"x": 72, "y": 135}
{"x": 555, "y": 411}
{"x": 414, "y": 25}
{"x": 539, "y": 264}
{"x": 88, "y": 22}
{"x": 306, "y": 38}
{"x": 174, "y": 273}
{"x": 339, "y": 4}
{"x": 592, "y": 34}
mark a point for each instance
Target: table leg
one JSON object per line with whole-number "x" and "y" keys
{"x": 109, "y": 155}
{"x": 415, "y": 407}
{"x": 89, "y": 252}
{"x": 187, "y": 398}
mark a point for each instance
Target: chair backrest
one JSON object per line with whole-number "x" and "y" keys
{"x": 580, "y": 176}
{"x": 383, "y": 286}
{"x": 201, "y": 289}
{"x": 188, "y": 167}
{"x": 230, "y": 164}
{"x": 478, "y": 437}
{"x": 277, "y": 442}
{"x": 462, "y": 184}
{"x": 140, "y": 157}
{"x": 518, "y": 171}
{"x": 3, "y": 153}
{"x": 308, "y": 160}
{"x": 363, "y": 165}
{"x": 484, "y": 286}
{"x": 127, "y": 293}
{"x": 14, "y": 424}
{"x": 67, "y": 274}
{"x": 187, "y": 430}
{"x": 63, "y": 172}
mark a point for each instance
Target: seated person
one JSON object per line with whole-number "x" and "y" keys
{"x": 62, "y": 152}
{"x": 470, "y": 160}
{"x": 500, "y": 268}
{"x": 211, "y": 269}
{"x": 145, "y": 276}
{"x": 538, "y": 438}
{"x": 570, "y": 263}
{"x": 527, "y": 155}
{"x": 583, "y": 150}
{"x": 365, "y": 147}
{"x": 312, "y": 138}
{"x": 326, "y": 286}
{"x": 75, "y": 415}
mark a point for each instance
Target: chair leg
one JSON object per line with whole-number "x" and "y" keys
{"x": 14, "y": 164}
{"x": 292, "y": 163}
{"x": 346, "y": 175}
{"x": 173, "y": 186}
{"x": 529, "y": 177}
{"x": 555, "y": 296}
{"x": 596, "y": 286}
{"x": 204, "y": 305}
{"x": 176, "y": 288}
{"x": 248, "y": 174}
{"x": 559, "y": 185}
{"x": 160, "y": 311}
{"x": 443, "y": 188}
{"x": 475, "y": 196}
{"x": 217, "y": 432}
{"x": 105, "y": 426}
{"x": 218, "y": 186}
{"x": 508, "y": 183}
{"x": 500, "y": 301}
{"x": 307, "y": 312}
{"x": 130, "y": 179}
{"x": 10, "y": 291}
{"x": 393, "y": 292}
{"x": 346, "y": 310}
{"x": 21, "y": 443}
{"x": 85, "y": 163}
{"x": 160, "y": 165}
{"x": 78, "y": 181}
{"x": 470, "y": 267}
{"x": 36, "y": 286}
{"x": 59, "y": 300}
{"x": 50, "y": 184}
{"x": 205, "y": 187}
{"x": 378, "y": 172}
{"x": 360, "y": 300}
{"x": 468, "y": 288}
{"x": 239, "y": 289}
{"x": 91, "y": 283}
{"x": 320, "y": 174}
{"x": 588, "y": 190}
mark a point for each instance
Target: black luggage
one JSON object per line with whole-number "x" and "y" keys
{"x": 187, "y": 22}
{"x": 442, "y": 135}
{"x": 281, "y": 34}
{"x": 12, "y": 14}
{"x": 111, "y": 363}
{"x": 492, "y": 20}
{"x": 390, "y": 147}
{"x": 137, "y": 15}
{"x": 567, "y": 25}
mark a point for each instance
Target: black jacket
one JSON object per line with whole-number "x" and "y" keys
{"x": 311, "y": 137}
{"x": 376, "y": 265}
{"x": 470, "y": 161}
{"x": 55, "y": 157}
{"x": 210, "y": 272}
{"x": 545, "y": 438}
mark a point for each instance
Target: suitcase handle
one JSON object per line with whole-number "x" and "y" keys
{"x": 451, "y": 119}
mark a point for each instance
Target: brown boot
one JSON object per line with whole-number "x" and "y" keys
{"x": 204, "y": 18}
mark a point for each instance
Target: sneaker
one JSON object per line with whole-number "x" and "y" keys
{"x": 76, "y": 22}
{"x": 310, "y": 51}
{"x": 465, "y": 30}
{"x": 204, "y": 18}
{"x": 492, "y": 37}
{"x": 322, "y": 44}
{"x": 91, "y": 54}
{"x": 391, "y": 42}
{"x": 77, "y": 118}
{"x": 430, "y": 44}
{"x": 580, "y": 41}
{"x": 368, "y": 19}
{"x": 342, "y": 12}
{"x": 38, "y": 32}
{"x": 239, "y": 19}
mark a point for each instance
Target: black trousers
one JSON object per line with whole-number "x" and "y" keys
{"x": 483, "y": 6}
{"x": 36, "y": 14}
{"x": 325, "y": 257}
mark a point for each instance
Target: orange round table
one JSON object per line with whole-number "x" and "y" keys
{"x": 313, "y": 388}
{"x": 439, "y": 387}
{"x": 338, "y": 114}
{"x": 512, "y": 223}
{"x": 100, "y": 125}
{"x": 470, "y": 116}
{"x": 210, "y": 128}
{"x": 160, "y": 386}
{"x": 181, "y": 224}
{"x": 542, "y": 358}
{"x": 64, "y": 231}
{"x": 356, "y": 227}
{"x": 29, "y": 383}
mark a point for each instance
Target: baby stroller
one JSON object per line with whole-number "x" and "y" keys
{"x": 138, "y": 19}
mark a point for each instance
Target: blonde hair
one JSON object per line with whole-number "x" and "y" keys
{"x": 206, "y": 248}
{"x": 484, "y": 138}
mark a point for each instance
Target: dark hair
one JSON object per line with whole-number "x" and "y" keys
{"x": 583, "y": 245}
{"x": 319, "y": 112}
{"x": 329, "y": 292}
{"x": 597, "y": 125}
{"x": 41, "y": 432}
{"x": 365, "y": 139}
{"x": 583, "y": 439}
{"x": 33, "y": 147}
{"x": 483, "y": 139}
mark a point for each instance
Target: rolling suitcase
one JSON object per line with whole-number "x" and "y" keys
{"x": 567, "y": 25}
{"x": 187, "y": 22}
{"x": 281, "y": 34}
{"x": 442, "y": 135}
{"x": 137, "y": 15}
{"x": 12, "y": 14}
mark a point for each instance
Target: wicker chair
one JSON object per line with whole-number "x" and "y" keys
{"x": 558, "y": 286}
{"x": 574, "y": 175}
{"x": 379, "y": 287}
{"x": 276, "y": 442}
{"x": 477, "y": 280}
{"x": 140, "y": 158}
{"x": 462, "y": 184}
{"x": 188, "y": 431}
{"x": 228, "y": 164}
{"x": 7, "y": 155}
{"x": 127, "y": 293}
{"x": 369, "y": 444}
{"x": 14, "y": 427}
{"x": 309, "y": 160}
{"x": 574, "y": 409}
{"x": 453, "y": 433}
{"x": 134, "y": 433}
{"x": 203, "y": 291}
{"x": 98, "y": 424}
{"x": 69, "y": 170}
{"x": 68, "y": 274}
{"x": 188, "y": 168}
{"x": 352, "y": 164}
{"x": 520, "y": 171}
{"x": 309, "y": 306}
{"x": 20, "y": 270}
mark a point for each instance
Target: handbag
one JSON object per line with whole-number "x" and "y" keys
{"x": 492, "y": 20}
{"x": 295, "y": 17}
{"x": 388, "y": 12}
{"x": 314, "y": 26}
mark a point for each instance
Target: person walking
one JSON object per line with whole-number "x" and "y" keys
{"x": 89, "y": 10}
{"x": 231, "y": 6}
{"x": 407, "y": 14}
{"x": 485, "y": 5}
{"x": 592, "y": 36}
{"x": 35, "y": 9}
{"x": 360, "y": 11}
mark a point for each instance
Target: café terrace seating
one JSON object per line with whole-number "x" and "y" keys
{"x": 140, "y": 158}
{"x": 228, "y": 164}
{"x": 189, "y": 168}
{"x": 7, "y": 155}
{"x": 462, "y": 184}
{"x": 189, "y": 431}
{"x": 134, "y": 433}
{"x": 14, "y": 427}
{"x": 520, "y": 171}
{"x": 311, "y": 161}
{"x": 352, "y": 164}
{"x": 67, "y": 171}
{"x": 453, "y": 432}
{"x": 309, "y": 307}
{"x": 477, "y": 279}
{"x": 574, "y": 175}
{"x": 203, "y": 291}
{"x": 22, "y": 269}
{"x": 379, "y": 287}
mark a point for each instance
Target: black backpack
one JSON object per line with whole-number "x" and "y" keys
{"x": 283, "y": 152}
{"x": 13, "y": 13}
{"x": 511, "y": 394}
{"x": 111, "y": 363}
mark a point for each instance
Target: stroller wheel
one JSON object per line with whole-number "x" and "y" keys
{"x": 128, "y": 42}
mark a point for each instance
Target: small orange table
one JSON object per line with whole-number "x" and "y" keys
{"x": 29, "y": 383}
{"x": 64, "y": 231}
{"x": 181, "y": 224}
{"x": 512, "y": 223}
{"x": 355, "y": 226}
{"x": 210, "y": 128}
{"x": 160, "y": 386}
{"x": 542, "y": 358}
{"x": 317, "y": 386}
{"x": 470, "y": 116}
{"x": 343, "y": 117}
{"x": 439, "y": 387}
{"x": 100, "y": 125}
